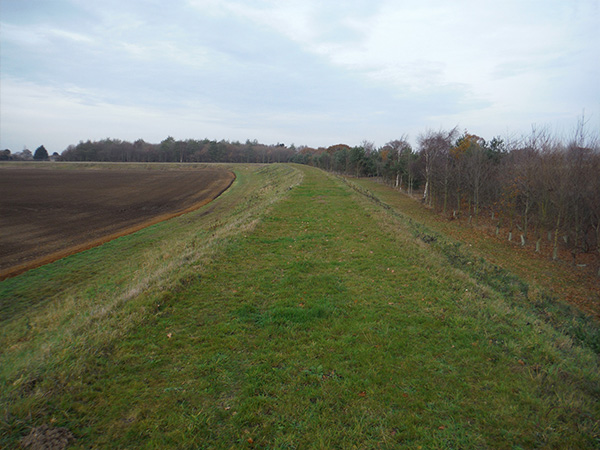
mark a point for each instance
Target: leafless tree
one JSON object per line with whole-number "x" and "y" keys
{"x": 434, "y": 147}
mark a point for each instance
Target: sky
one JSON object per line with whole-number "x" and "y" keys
{"x": 308, "y": 72}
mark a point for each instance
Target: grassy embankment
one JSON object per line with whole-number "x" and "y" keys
{"x": 308, "y": 318}
{"x": 574, "y": 285}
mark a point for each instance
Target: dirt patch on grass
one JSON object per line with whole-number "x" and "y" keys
{"x": 47, "y": 438}
{"x": 49, "y": 214}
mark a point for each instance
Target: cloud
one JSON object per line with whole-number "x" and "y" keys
{"x": 20, "y": 35}
{"x": 35, "y": 115}
{"x": 419, "y": 46}
{"x": 56, "y": 117}
{"x": 77, "y": 37}
{"x": 305, "y": 70}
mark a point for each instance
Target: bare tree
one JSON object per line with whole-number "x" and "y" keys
{"x": 434, "y": 147}
{"x": 400, "y": 153}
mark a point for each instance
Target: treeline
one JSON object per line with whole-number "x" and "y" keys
{"x": 171, "y": 150}
{"x": 537, "y": 188}
{"x": 541, "y": 190}
{"x": 41, "y": 154}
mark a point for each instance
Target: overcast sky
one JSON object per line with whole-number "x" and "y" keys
{"x": 311, "y": 72}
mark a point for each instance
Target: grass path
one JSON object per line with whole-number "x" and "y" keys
{"x": 326, "y": 325}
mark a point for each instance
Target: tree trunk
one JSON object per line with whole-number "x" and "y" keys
{"x": 526, "y": 218}
{"x": 555, "y": 250}
{"x": 598, "y": 242}
{"x": 445, "y": 199}
{"x": 577, "y": 227}
{"x": 476, "y": 201}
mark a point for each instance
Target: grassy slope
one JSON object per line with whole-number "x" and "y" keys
{"x": 574, "y": 285}
{"x": 323, "y": 323}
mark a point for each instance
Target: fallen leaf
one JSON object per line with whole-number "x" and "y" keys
{"x": 169, "y": 335}
{"x": 362, "y": 394}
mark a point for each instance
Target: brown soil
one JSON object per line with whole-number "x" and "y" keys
{"x": 46, "y": 215}
{"x": 47, "y": 438}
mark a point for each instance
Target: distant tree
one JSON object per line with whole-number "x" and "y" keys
{"x": 167, "y": 149}
{"x": 24, "y": 155}
{"x": 471, "y": 151}
{"x": 216, "y": 150}
{"x": 41, "y": 154}
{"x": 434, "y": 147}
{"x": 398, "y": 153}
{"x": 5, "y": 155}
{"x": 357, "y": 159}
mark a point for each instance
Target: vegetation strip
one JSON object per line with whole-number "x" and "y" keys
{"x": 315, "y": 321}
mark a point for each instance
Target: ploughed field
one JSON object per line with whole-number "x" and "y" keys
{"x": 48, "y": 214}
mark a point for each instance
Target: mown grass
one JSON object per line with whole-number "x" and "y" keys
{"x": 318, "y": 321}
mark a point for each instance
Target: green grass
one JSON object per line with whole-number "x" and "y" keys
{"x": 310, "y": 317}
